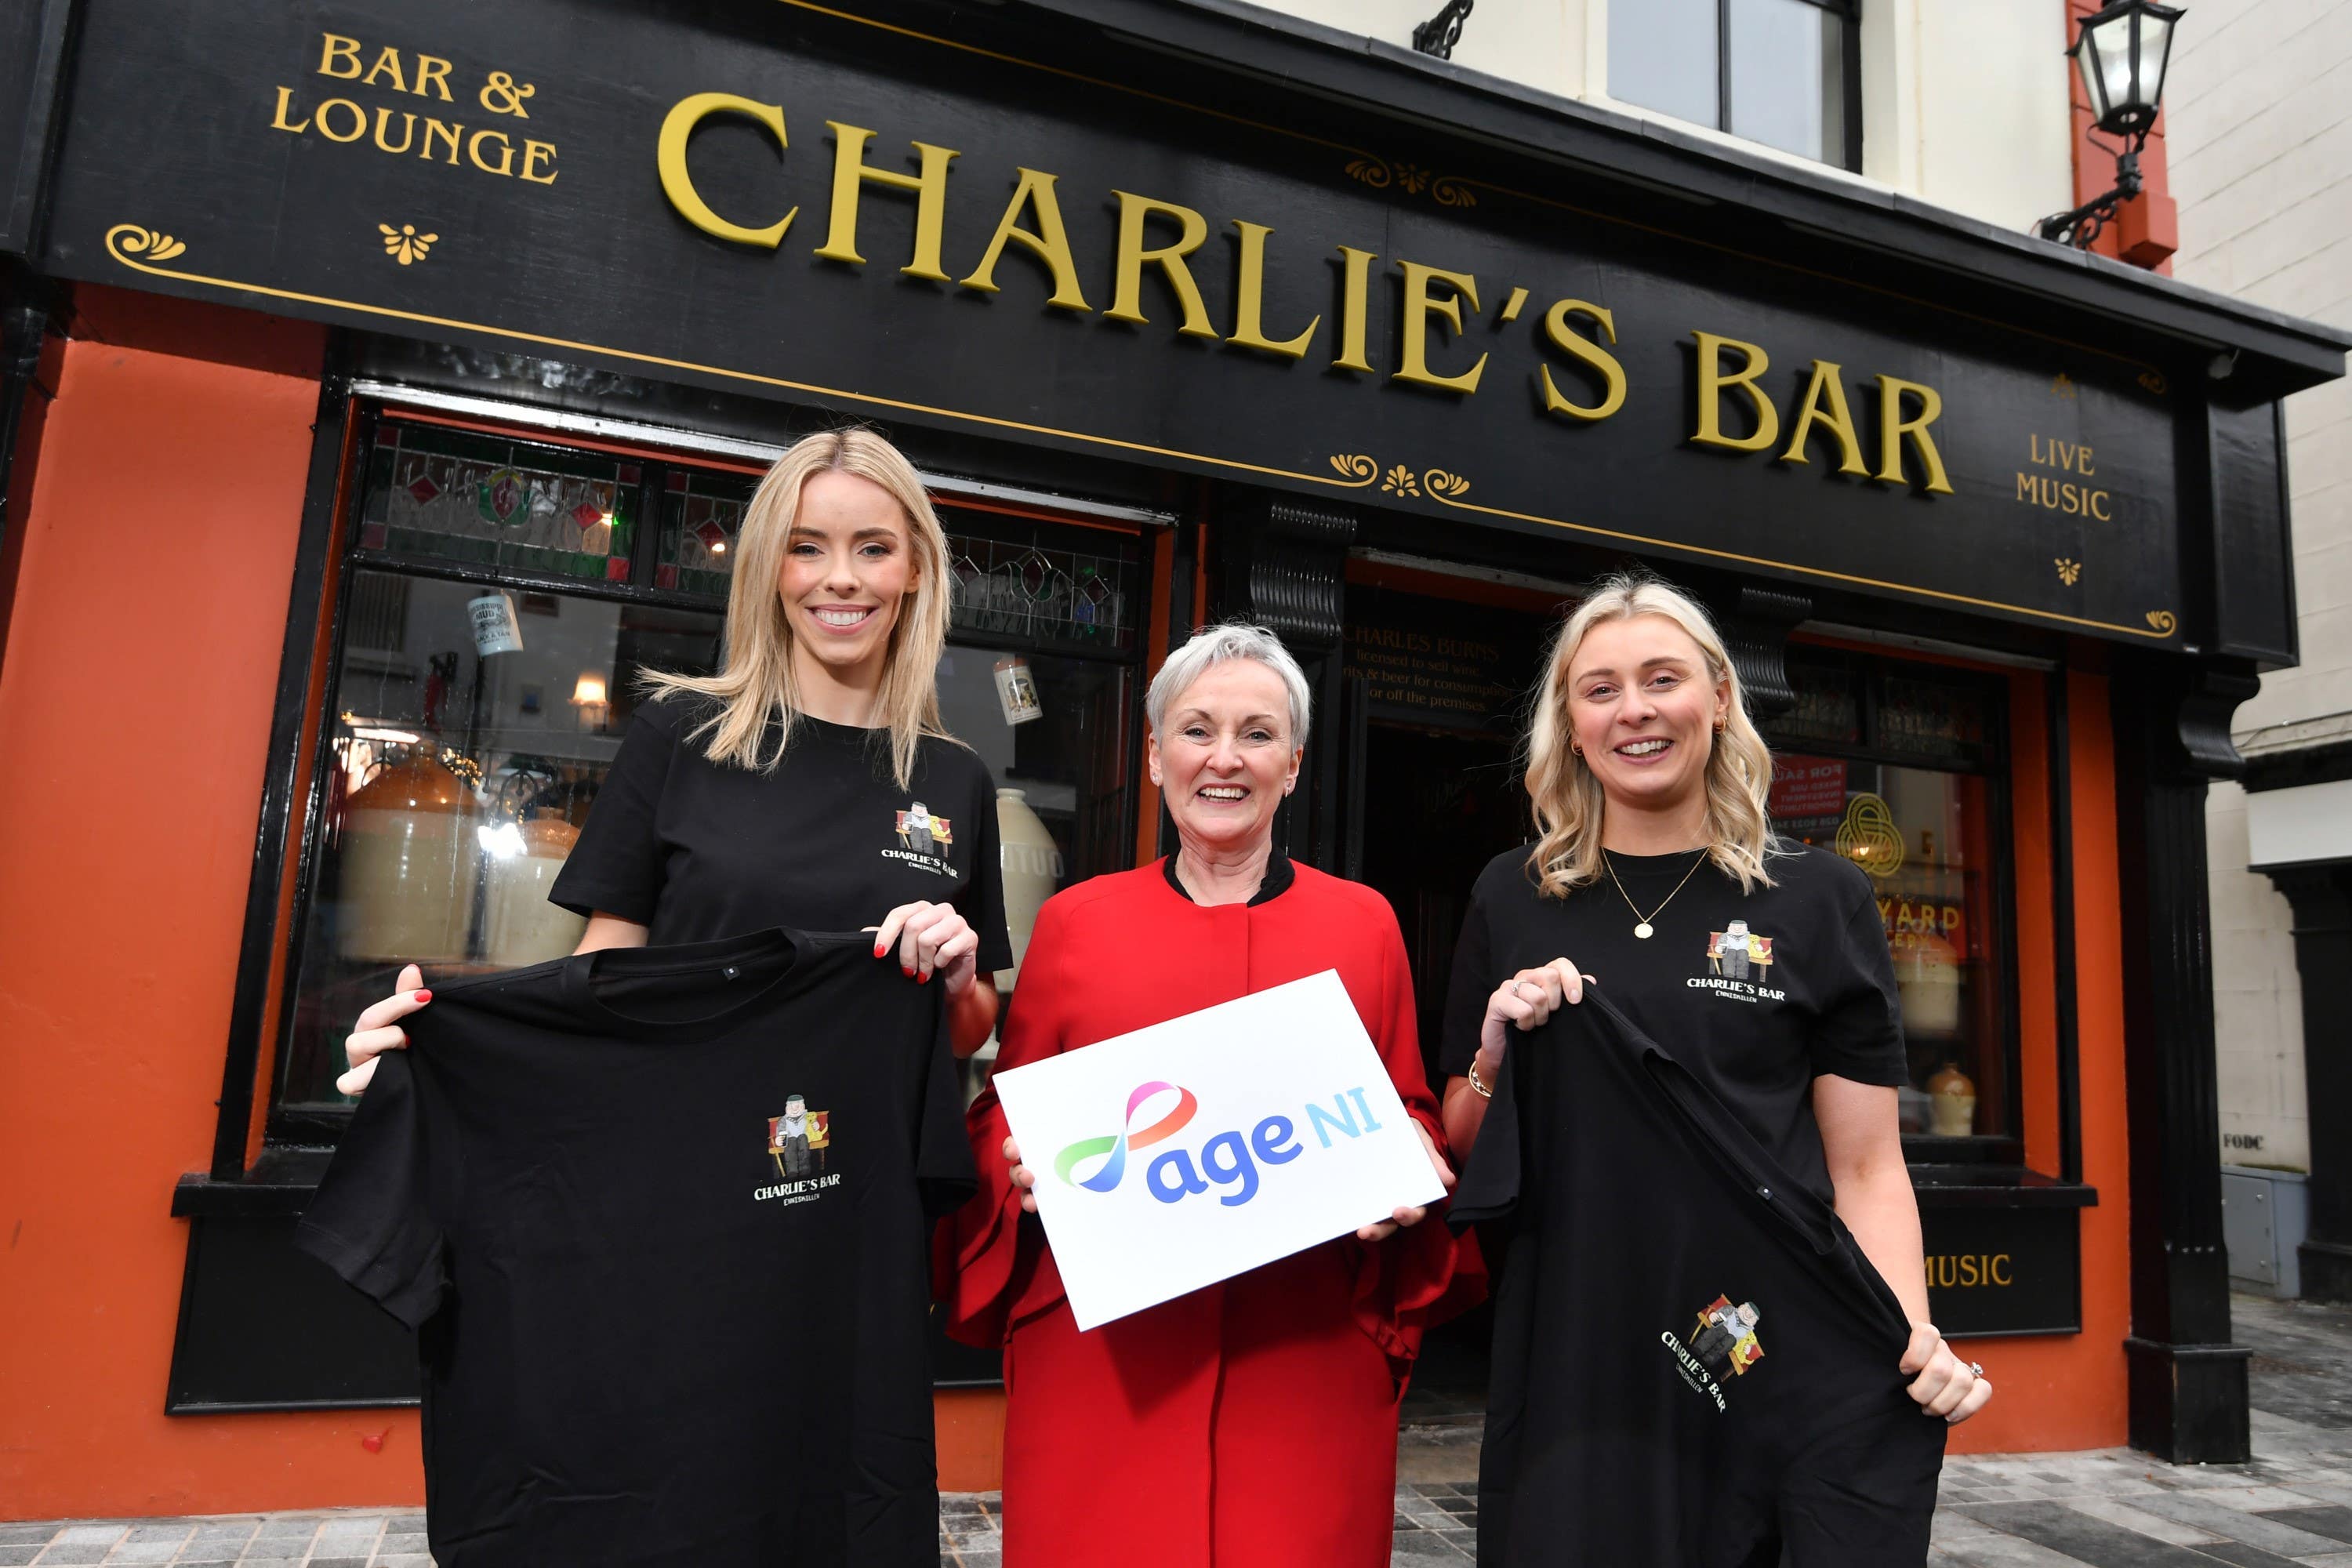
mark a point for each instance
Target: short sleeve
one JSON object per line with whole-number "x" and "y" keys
{"x": 943, "y": 1167}
{"x": 617, "y": 866}
{"x": 371, "y": 1221}
{"x": 983, "y": 904}
{"x": 1473, "y": 981}
{"x": 1860, "y": 1032}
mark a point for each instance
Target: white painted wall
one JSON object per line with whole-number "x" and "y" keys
{"x": 1963, "y": 105}
{"x": 2259, "y": 146}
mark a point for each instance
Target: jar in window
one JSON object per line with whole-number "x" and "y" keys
{"x": 1031, "y": 864}
{"x": 410, "y": 865}
{"x": 1953, "y": 1096}
{"x": 519, "y": 925}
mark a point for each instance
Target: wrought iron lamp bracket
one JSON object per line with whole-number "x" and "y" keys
{"x": 1439, "y": 35}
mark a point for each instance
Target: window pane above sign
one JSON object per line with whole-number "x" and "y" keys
{"x": 1662, "y": 55}
{"x": 1788, "y": 76}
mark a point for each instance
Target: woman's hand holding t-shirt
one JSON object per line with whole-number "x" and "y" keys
{"x": 378, "y": 1029}
{"x": 1525, "y": 1001}
{"x": 931, "y": 939}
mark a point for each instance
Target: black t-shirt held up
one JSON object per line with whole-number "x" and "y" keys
{"x": 661, "y": 1215}
{"x": 697, "y": 850}
{"x": 1759, "y": 993}
{"x": 1694, "y": 1364}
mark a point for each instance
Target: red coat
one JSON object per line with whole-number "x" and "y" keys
{"x": 1252, "y": 1422}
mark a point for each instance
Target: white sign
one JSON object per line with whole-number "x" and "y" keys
{"x": 496, "y": 630}
{"x": 1201, "y": 1148}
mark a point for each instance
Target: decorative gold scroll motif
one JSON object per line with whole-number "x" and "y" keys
{"x": 2163, "y": 621}
{"x": 405, "y": 244}
{"x": 2068, "y": 571}
{"x": 128, "y": 239}
{"x": 1379, "y": 173}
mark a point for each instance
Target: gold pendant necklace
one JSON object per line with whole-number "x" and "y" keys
{"x": 1644, "y": 929}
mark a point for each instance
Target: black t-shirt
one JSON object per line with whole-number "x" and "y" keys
{"x": 1759, "y": 992}
{"x": 699, "y": 850}
{"x": 1694, "y": 1364}
{"x": 662, "y": 1215}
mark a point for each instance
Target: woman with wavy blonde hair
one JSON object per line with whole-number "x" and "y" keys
{"x": 1761, "y": 963}
{"x": 808, "y": 783}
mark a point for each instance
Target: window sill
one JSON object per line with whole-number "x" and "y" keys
{"x": 280, "y": 1182}
{"x": 1997, "y": 1187}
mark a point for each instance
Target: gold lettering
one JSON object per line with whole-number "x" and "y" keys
{"x": 450, "y": 133}
{"x": 2099, "y": 506}
{"x": 531, "y": 153}
{"x": 2033, "y": 450}
{"x": 1892, "y": 427}
{"x": 1713, "y": 383}
{"x": 1355, "y": 293}
{"x": 1836, "y": 416}
{"x": 850, "y": 173}
{"x": 1249, "y": 299}
{"x": 1999, "y": 1270}
{"x": 359, "y": 119}
{"x": 387, "y": 62}
{"x": 339, "y": 50}
{"x": 2082, "y": 462}
{"x": 1050, "y": 242}
{"x": 434, "y": 72}
{"x": 2026, "y": 485}
{"x": 1612, "y": 374}
{"x": 277, "y": 120}
{"x": 1419, "y": 307}
{"x": 669, "y": 157}
{"x": 474, "y": 150}
{"x": 1967, "y": 1272}
{"x": 407, "y": 129}
{"x": 1126, "y": 295}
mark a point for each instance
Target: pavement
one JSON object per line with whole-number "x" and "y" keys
{"x": 2110, "y": 1507}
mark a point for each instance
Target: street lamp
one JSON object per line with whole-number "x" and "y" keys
{"x": 2122, "y": 53}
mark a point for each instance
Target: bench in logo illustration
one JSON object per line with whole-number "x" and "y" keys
{"x": 1737, "y": 953}
{"x": 924, "y": 834}
{"x": 798, "y": 1142}
{"x": 1721, "y": 1346}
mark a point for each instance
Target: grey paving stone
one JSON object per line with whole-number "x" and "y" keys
{"x": 2328, "y": 1520}
{"x": 2246, "y": 1556}
{"x": 13, "y": 1556}
{"x": 26, "y": 1534}
{"x": 2235, "y": 1525}
{"x": 91, "y": 1535}
{"x": 2077, "y": 1535}
{"x": 74, "y": 1552}
{"x": 402, "y": 1560}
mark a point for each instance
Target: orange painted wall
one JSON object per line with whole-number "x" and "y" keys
{"x": 134, "y": 711}
{"x": 2068, "y": 1391}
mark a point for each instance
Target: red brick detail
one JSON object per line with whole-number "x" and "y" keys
{"x": 2147, "y": 230}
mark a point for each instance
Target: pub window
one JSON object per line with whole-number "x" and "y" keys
{"x": 1786, "y": 73}
{"x": 1901, "y": 769}
{"x": 497, "y": 599}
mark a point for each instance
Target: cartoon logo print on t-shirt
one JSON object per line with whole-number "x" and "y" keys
{"x": 1722, "y": 1346}
{"x": 797, "y": 1143}
{"x": 923, "y": 839}
{"x": 1739, "y": 965}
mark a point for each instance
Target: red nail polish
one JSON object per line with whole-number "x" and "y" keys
{"x": 907, "y": 972}
{"x": 923, "y": 978}
{"x": 425, "y": 995}
{"x": 880, "y": 951}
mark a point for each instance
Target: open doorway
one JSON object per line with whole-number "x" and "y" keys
{"x": 1441, "y": 668}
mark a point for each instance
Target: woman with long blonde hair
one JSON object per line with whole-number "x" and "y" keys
{"x": 1756, "y": 964}
{"x": 809, "y": 782}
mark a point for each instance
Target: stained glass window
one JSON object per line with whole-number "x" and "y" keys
{"x": 486, "y": 501}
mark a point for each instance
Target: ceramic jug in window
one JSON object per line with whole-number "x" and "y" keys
{"x": 1953, "y": 1095}
{"x": 410, "y": 865}
{"x": 1031, "y": 867}
{"x": 519, "y": 925}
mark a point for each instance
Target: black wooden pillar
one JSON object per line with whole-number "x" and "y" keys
{"x": 2188, "y": 1382}
{"x": 1285, "y": 567}
{"x": 2321, "y": 897}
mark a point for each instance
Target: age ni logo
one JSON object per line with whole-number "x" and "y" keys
{"x": 1230, "y": 1159}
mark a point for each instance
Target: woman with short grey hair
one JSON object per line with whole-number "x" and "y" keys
{"x": 1253, "y": 1422}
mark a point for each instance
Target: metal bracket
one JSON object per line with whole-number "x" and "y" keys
{"x": 1438, "y": 35}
